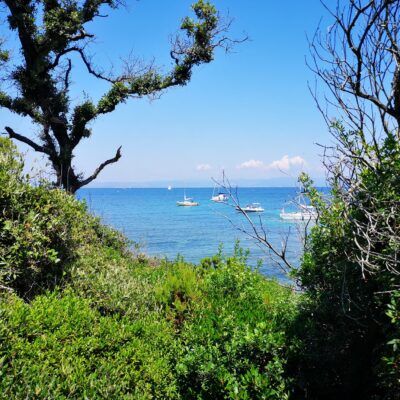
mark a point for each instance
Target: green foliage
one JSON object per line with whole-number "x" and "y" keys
{"x": 194, "y": 339}
{"x": 346, "y": 303}
{"x": 59, "y": 347}
{"x": 178, "y": 291}
{"x": 4, "y": 56}
{"x": 389, "y": 369}
{"x": 115, "y": 324}
{"x": 235, "y": 343}
{"x": 41, "y": 230}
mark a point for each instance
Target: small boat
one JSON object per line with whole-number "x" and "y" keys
{"x": 220, "y": 197}
{"x": 169, "y": 187}
{"x": 253, "y": 207}
{"x": 305, "y": 213}
{"x": 187, "y": 202}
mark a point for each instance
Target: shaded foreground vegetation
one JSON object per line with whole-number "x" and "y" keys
{"x": 82, "y": 316}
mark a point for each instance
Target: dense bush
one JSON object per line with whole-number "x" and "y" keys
{"x": 349, "y": 323}
{"x": 236, "y": 336}
{"x": 202, "y": 333}
{"x": 59, "y": 347}
{"x": 351, "y": 269}
{"x": 41, "y": 229}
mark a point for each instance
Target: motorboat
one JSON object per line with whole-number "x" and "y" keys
{"x": 253, "y": 207}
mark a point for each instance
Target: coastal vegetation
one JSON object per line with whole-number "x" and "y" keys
{"x": 84, "y": 314}
{"x": 350, "y": 270}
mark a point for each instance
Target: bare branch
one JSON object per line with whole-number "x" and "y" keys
{"x": 13, "y": 135}
{"x": 100, "y": 168}
{"x": 257, "y": 233}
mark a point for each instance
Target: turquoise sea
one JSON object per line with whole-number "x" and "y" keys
{"x": 151, "y": 218}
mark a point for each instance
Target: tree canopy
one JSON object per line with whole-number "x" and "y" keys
{"x": 49, "y": 33}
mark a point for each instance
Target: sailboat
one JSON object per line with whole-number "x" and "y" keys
{"x": 220, "y": 197}
{"x": 305, "y": 212}
{"x": 187, "y": 201}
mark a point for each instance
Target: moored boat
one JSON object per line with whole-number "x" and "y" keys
{"x": 253, "y": 207}
{"x": 187, "y": 202}
{"x": 304, "y": 213}
{"x": 220, "y": 197}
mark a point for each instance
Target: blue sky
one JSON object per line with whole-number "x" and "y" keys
{"x": 248, "y": 112}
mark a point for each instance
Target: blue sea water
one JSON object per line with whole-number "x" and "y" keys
{"x": 151, "y": 218}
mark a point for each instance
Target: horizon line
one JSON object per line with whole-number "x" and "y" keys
{"x": 191, "y": 187}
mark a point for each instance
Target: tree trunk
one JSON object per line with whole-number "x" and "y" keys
{"x": 66, "y": 177}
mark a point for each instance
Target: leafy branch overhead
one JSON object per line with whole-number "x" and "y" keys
{"x": 50, "y": 33}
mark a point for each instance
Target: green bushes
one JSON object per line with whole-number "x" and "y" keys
{"x": 41, "y": 230}
{"x": 192, "y": 340}
{"x": 235, "y": 342}
{"x": 83, "y": 317}
{"x": 348, "y": 324}
{"x": 59, "y": 347}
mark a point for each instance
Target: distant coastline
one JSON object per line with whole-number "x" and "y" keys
{"x": 245, "y": 183}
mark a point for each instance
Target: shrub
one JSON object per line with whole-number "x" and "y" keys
{"x": 59, "y": 347}
{"x": 234, "y": 342}
{"x": 343, "y": 324}
{"x": 191, "y": 335}
{"x": 41, "y": 230}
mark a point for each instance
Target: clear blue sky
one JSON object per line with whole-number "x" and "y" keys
{"x": 244, "y": 112}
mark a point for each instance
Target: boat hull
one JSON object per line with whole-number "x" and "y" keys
{"x": 298, "y": 216}
{"x": 250, "y": 210}
{"x": 221, "y": 198}
{"x": 187, "y": 203}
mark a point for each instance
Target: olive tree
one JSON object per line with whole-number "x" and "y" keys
{"x": 52, "y": 35}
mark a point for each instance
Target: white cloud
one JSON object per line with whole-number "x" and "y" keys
{"x": 284, "y": 164}
{"x": 251, "y": 164}
{"x": 203, "y": 167}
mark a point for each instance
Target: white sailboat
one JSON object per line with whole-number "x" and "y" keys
{"x": 220, "y": 197}
{"x": 304, "y": 211}
{"x": 187, "y": 201}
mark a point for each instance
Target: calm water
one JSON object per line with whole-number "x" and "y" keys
{"x": 151, "y": 218}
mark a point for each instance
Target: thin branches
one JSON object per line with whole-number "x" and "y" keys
{"x": 357, "y": 58}
{"x": 358, "y": 61}
{"x": 257, "y": 232}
